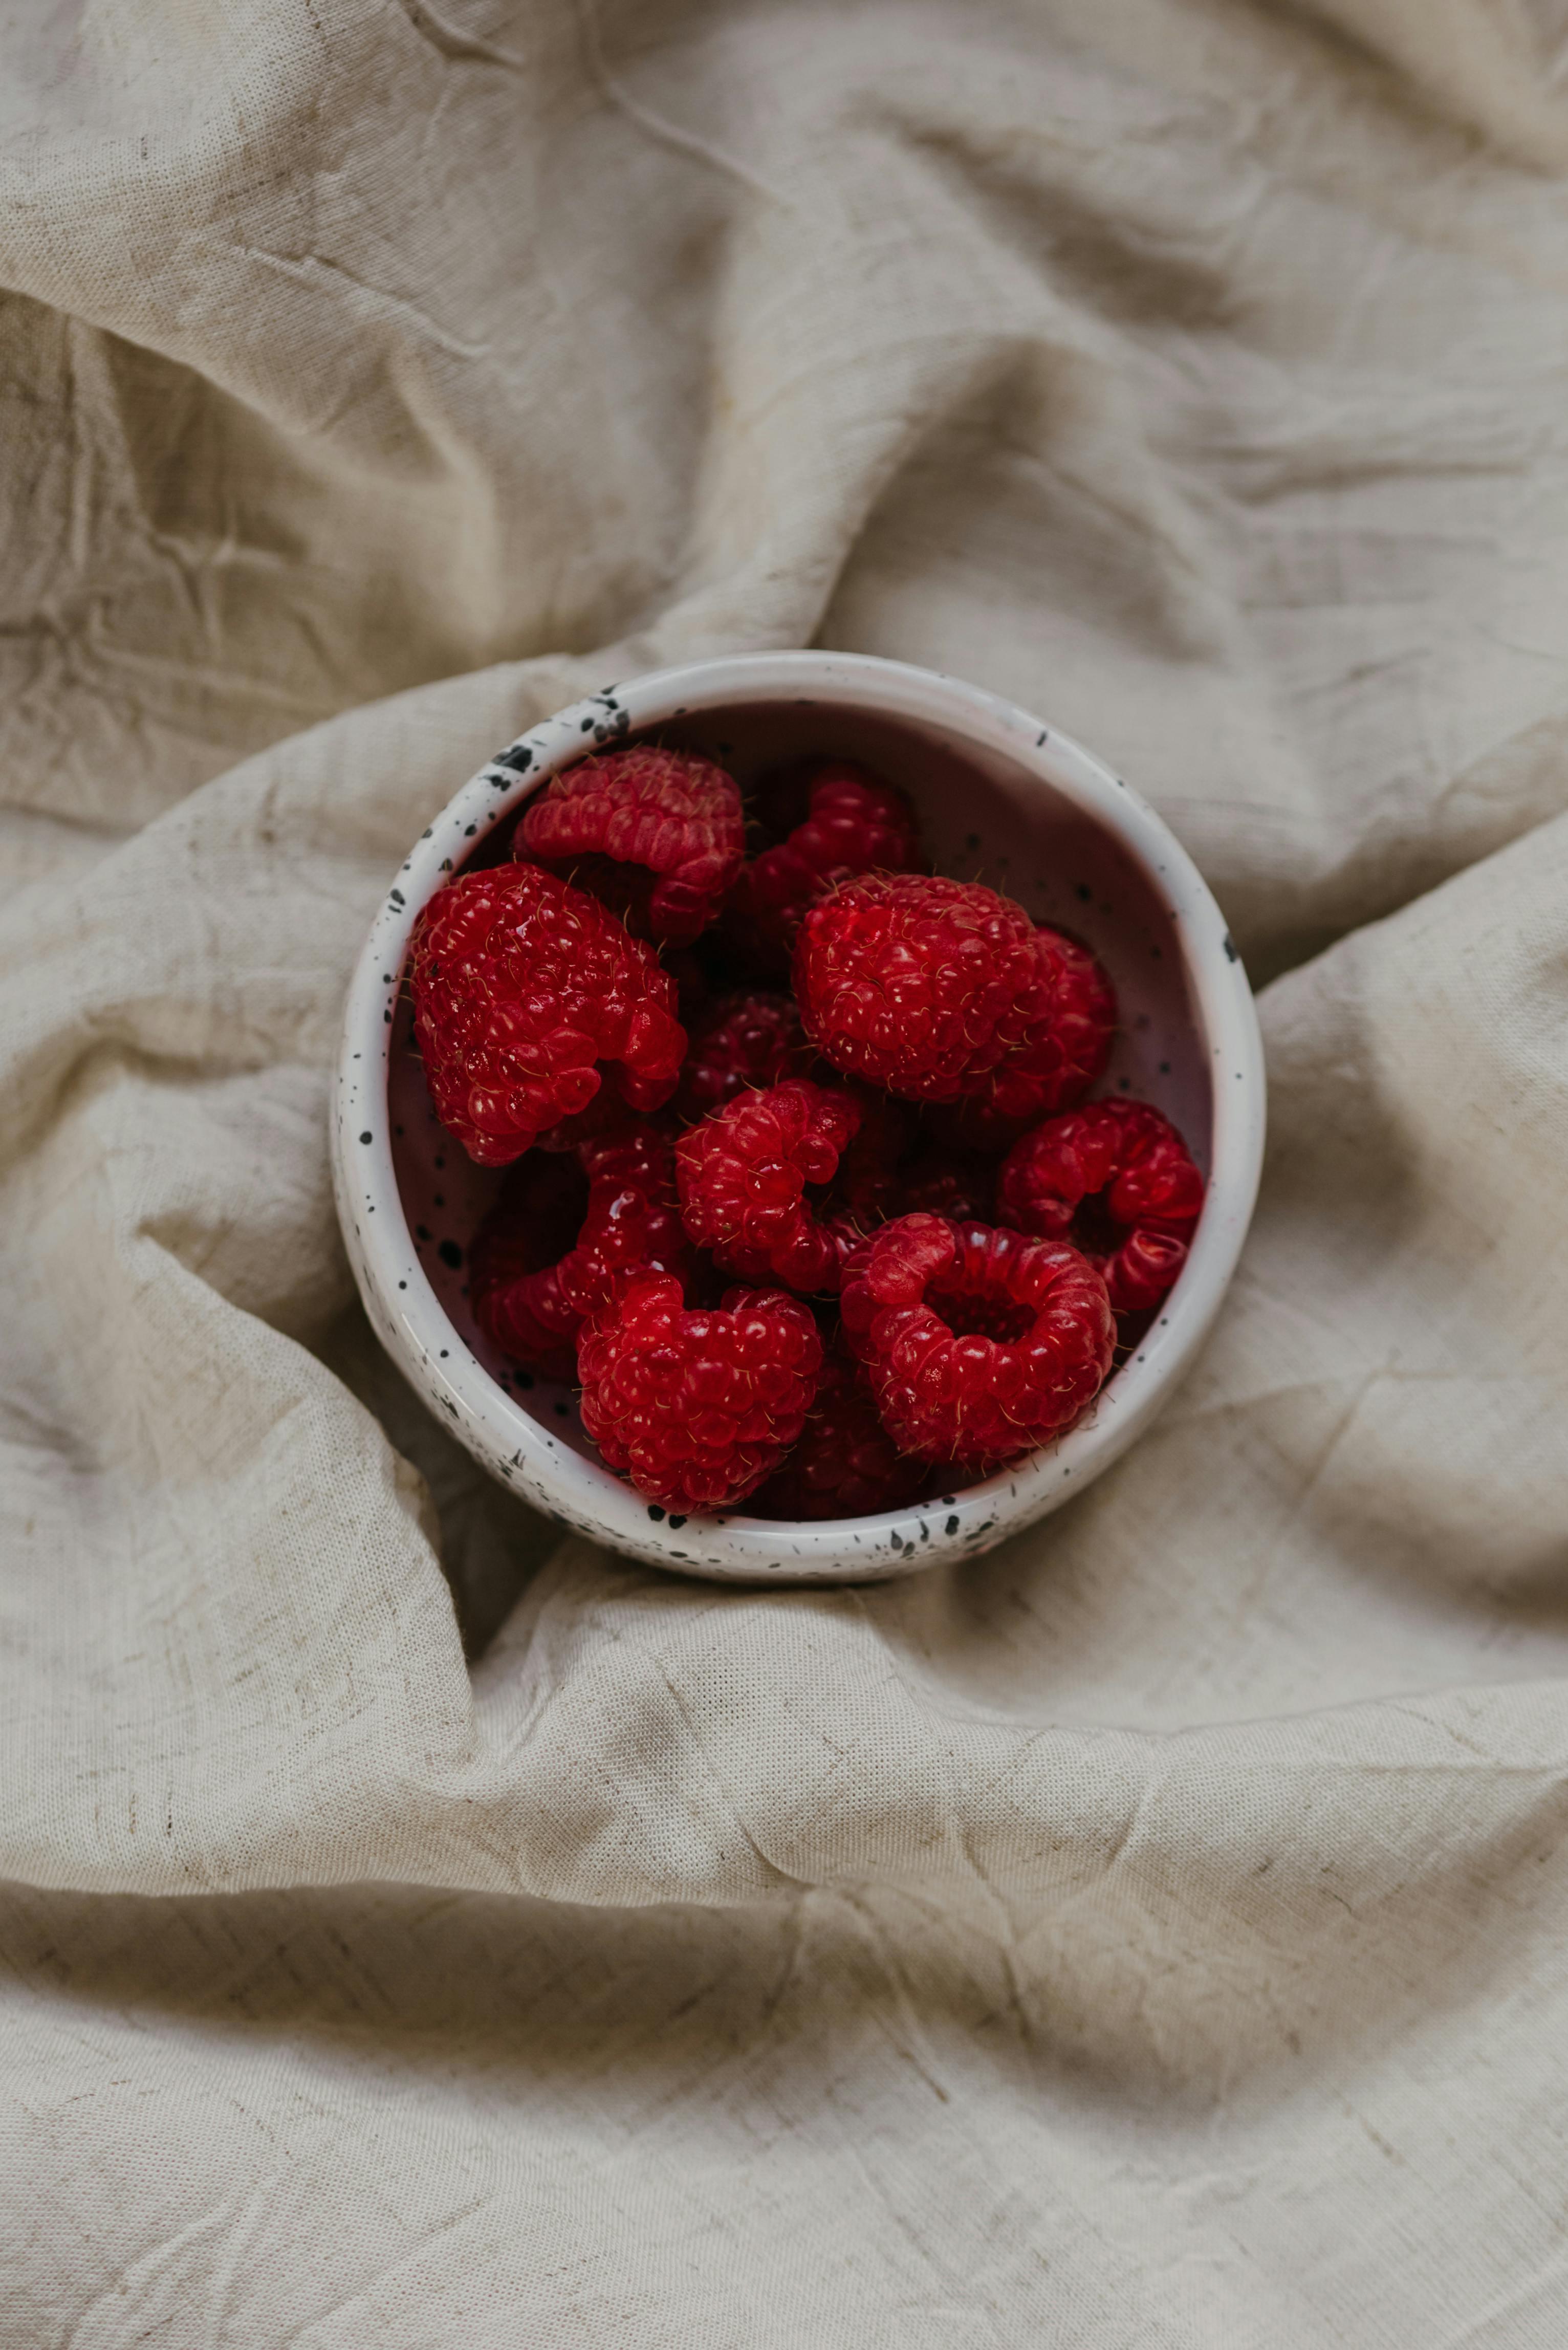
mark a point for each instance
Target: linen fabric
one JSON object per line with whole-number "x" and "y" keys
{"x": 424, "y": 1930}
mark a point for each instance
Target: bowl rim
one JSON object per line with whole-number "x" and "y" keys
{"x": 414, "y": 1327}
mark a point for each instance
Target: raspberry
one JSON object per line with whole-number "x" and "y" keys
{"x": 1118, "y": 1179}
{"x": 633, "y": 1219}
{"x": 867, "y": 1188}
{"x": 521, "y": 985}
{"x": 854, "y": 824}
{"x": 1071, "y": 1021}
{"x": 958, "y": 1185}
{"x": 846, "y": 1464}
{"x": 743, "y": 1174}
{"x": 916, "y": 983}
{"x": 534, "y": 1222}
{"x": 659, "y": 836}
{"x": 627, "y": 1223}
{"x": 605, "y": 1116}
{"x": 698, "y": 1405}
{"x": 741, "y": 1042}
{"x": 978, "y": 1344}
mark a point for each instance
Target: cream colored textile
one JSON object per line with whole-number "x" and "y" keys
{"x": 424, "y": 1932}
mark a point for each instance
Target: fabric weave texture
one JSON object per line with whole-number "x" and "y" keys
{"x": 419, "y": 1930}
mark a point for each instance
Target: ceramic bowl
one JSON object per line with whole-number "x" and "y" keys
{"x": 1003, "y": 797}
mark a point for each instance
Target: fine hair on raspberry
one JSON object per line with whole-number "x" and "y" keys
{"x": 978, "y": 1343}
{"x": 745, "y": 1173}
{"x": 1116, "y": 1177}
{"x": 853, "y": 823}
{"x": 658, "y": 835}
{"x": 698, "y": 1405}
{"x": 537, "y": 1274}
{"x": 915, "y": 982}
{"x": 748, "y": 1039}
{"x": 845, "y": 1464}
{"x": 529, "y": 996}
{"x": 1069, "y": 1025}
{"x": 536, "y": 1219}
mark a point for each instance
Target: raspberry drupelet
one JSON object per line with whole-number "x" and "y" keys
{"x": 846, "y": 1465}
{"x": 916, "y": 983}
{"x": 940, "y": 1182}
{"x": 855, "y": 824}
{"x": 659, "y": 836}
{"x": 868, "y": 1187}
{"x": 1070, "y": 1025}
{"x": 627, "y": 1223}
{"x": 1117, "y": 1179}
{"x": 744, "y": 1173}
{"x": 741, "y": 1042}
{"x": 522, "y": 987}
{"x": 536, "y": 1219}
{"x": 979, "y": 1344}
{"x": 698, "y": 1405}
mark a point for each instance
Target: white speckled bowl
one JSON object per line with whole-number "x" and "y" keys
{"x": 1002, "y": 797}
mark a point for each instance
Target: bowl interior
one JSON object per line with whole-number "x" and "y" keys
{"x": 986, "y": 816}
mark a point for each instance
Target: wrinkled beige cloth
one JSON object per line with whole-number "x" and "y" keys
{"x": 421, "y": 1931}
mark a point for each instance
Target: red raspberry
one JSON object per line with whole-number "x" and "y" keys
{"x": 1071, "y": 1014}
{"x": 633, "y": 1219}
{"x": 740, "y": 1043}
{"x": 535, "y": 1220}
{"x": 916, "y": 983}
{"x": 846, "y": 1464}
{"x": 979, "y": 1344}
{"x": 743, "y": 1174}
{"x": 627, "y": 1223}
{"x": 698, "y": 1405}
{"x": 1118, "y": 1180}
{"x": 521, "y": 985}
{"x": 855, "y": 824}
{"x": 657, "y": 835}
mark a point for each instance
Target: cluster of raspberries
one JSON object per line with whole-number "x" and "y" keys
{"x": 803, "y": 1187}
